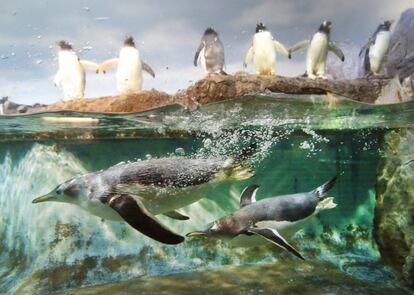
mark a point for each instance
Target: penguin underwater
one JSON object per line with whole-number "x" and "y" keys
{"x": 129, "y": 68}
{"x": 263, "y": 51}
{"x": 71, "y": 73}
{"x": 210, "y": 53}
{"x": 376, "y": 48}
{"x": 134, "y": 192}
{"x": 317, "y": 53}
{"x": 268, "y": 217}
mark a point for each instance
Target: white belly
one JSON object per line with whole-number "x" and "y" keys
{"x": 378, "y": 51}
{"x": 264, "y": 53}
{"x": 285, "y": 228}
{"x": 129, "y": 72}
{"x": 316, "y": 55}
{"x": 71, "y": 75}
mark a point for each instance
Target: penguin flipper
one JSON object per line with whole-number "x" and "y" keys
{"x": 248, "y": 57}
{"x": 57, "y": 80}
{"x": 248, "y": 195}
{"x": 366, "y": 46}
{"x": 176, "y": 215}
{"x": 196, "y": 56}
{"x": 280, "y": 48}
{"x": 298, "y": 46}
{"x": 89, "y": 65}
{"x": 335, "y": 49}
{"x": 135, "y": 214}
{"x": 110, "y": 63}
{"x": 148, "y": 69}
{"x": 273, "y": 236}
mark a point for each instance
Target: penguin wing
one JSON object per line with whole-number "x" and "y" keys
{"x": 248, "y": 57}
{"x": 89, "y": 65}
{"x": 110, "y": 63}
{"x": 335, "y": 49}
{"x": 248, "y": 195}
{"x": 280, "y": 48}
{"x": 298, "y": 46}
{"x": 367, "y": 45}
{"x": 135, "y": 214}
{"x": 148, "y": 69}
{"x": 200, "y": 47}
{"x": 273, "y": 236}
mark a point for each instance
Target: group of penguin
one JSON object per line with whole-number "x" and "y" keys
{"x": 137, "y": 191}
{"x": 210, "y": 54}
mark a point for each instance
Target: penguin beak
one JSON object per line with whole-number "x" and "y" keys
{"x": 196, "y": 234}
{"x": 45, "y": 198}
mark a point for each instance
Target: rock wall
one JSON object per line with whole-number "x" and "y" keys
{"x": 394, "y": 212}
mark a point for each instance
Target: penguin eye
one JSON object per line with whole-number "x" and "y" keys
{"x": 59, "y": 191}
{"x": 71, "y": 191}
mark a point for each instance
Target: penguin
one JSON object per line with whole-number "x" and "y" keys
{"x": 263, "y": 51}
{"x": 210, "y": 53}
{"x": 71, "y": 73}
{"x": 268, "y": 217}
{"x": 317, "y": 53}
{"x": 135, "y": 192}
{"x": 376, "y": 48}
{"x": 129, "y": 68}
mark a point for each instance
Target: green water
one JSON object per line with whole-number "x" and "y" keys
{"x": 301, "y": 144}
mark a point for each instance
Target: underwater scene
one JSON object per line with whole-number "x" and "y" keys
{"x": 207, "y": 147}
{"x": 298, "y": 145}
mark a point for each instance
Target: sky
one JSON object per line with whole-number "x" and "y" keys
{"x": 167, "y": 33}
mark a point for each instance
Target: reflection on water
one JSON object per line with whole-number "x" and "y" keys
{"x": 302, "y": 143}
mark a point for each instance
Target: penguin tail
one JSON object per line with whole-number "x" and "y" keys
{"x": 236, "y": 167}
{"x": 223, "y": 73}
{"x": 321, "y": 190}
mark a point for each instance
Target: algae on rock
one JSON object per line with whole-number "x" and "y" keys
{"x": 394, "y": 212}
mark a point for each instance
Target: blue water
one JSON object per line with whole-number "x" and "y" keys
{"x": 302, "y": 142}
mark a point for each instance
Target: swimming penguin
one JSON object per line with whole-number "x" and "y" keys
{"x": 376, "y": 48}
{"x": 129, "y": 68}
{"x": 136, "y": 191}
{"x": 268, "y": 217}
{"x": 210, "y": 53}
{"x": 263, "y": 51}
{"x": 71, "y": 73}
{"x": 317, "y": 53}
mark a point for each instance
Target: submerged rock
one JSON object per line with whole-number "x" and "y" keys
{"x": 394, "y": 212}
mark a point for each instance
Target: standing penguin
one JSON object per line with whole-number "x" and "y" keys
{"x": 319, "y": 46}
{"x": 71, "y": 73}
{"x": 129, "y": 68}
{"x": 376, "y": 48}
{"x": 210, "y": 53}
{"x": 263, "y": 51}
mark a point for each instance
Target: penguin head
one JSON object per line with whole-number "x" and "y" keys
{"x": 385, "y": 26}
{"x": 210, "y": 31}
{"x": 64, "y": 45}
{"x": 129, "y": 41}
{"x": 67, "y": 192}
{"x": 325, "y": 27}
{"x": 260, "y": 27}
{"x": 212, "y": 229}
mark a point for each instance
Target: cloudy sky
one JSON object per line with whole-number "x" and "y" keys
{"x": 167, "y": 34}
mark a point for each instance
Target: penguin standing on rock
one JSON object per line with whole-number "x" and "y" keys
{"x": 71, "y": 74}
{"x": 263, "y": 51}
{"x": 129, "y": 68}
{"x": 210, "y": 53}
{"x": 317, "y": 53}
{"x": 376, "y": 48}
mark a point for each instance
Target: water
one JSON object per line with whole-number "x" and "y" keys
{"x": 303, "y": 141}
